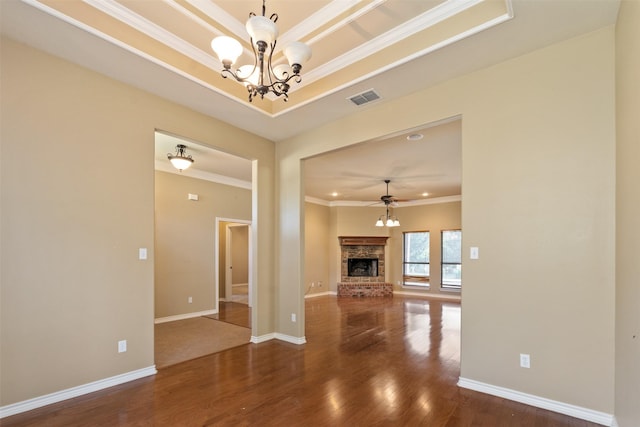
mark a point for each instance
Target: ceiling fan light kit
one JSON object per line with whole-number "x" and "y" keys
{"x": 263, "y": 77}
{"x": 387, "y": 220}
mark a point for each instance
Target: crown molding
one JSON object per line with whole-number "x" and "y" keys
{"x": 357, "y": 203}
{"x": 206, "y": 176}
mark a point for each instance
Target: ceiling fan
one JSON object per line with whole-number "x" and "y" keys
{"x": 388, "y": 199}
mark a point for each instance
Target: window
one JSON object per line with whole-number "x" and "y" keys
{"x": 451, "y": 259}
{"x": 416, "y": 259}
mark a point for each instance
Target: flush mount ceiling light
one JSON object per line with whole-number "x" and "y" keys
{"x": 415, "y": 137}
{"x": 387, "y": 220}
{"x": 180, "y": 160}
{"x": 264, "y": 76}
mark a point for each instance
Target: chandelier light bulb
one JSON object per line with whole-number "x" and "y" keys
{"x": 297, "y": 53}
{"x": 249, "y": 74}
{"x": 261, "y": 28}
{"x": 228, "y": 49}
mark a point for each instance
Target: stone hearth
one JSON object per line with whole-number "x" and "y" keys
{"x": 365, "y": 289}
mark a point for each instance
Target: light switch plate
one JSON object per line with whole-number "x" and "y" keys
{"x": 474, "y": 252}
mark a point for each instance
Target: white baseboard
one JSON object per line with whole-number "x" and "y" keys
{"x": 48, "y": 399}
{"x": 539, "y": 402}
{"x": 454, "y": 297}
{"x": 185, "y": 316}
{"x": 262, "y": 338}
{"x": 278, "y": 336}
{"x": 320, "y": 294}
{"x": 289, "y": 338}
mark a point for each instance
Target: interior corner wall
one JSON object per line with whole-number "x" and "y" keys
{"x": 538, "y": 185}
{"x": 627, "y": 214}
{"x": 74, "y": 215}
{"x": 185, "y": 237}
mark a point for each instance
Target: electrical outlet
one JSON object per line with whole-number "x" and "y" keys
{"x": 293, "y": 317}
{"x": 319, "y": 284}
{"x": 190, "y": 300}
{"x": 525, "y": 361}
{"x": 313, "y": 284}
{"x": 122, "y": 346}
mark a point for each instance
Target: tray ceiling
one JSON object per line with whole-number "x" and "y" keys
{"x": 352, "y": 40}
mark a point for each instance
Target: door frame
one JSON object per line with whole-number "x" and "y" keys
{"x": 233, "y": 222}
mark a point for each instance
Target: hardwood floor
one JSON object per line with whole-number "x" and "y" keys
{"x": 233, "y": 312}
{"x": 367, "y": 362}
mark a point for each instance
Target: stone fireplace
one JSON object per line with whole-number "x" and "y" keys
{"x": 362, "y": 267}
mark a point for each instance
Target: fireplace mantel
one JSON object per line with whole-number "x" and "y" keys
{"x": 363, "y": 240}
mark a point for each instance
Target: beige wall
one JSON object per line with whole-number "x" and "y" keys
{"x": 75, "y": 212}
{"x": 538, "y": 145}
{"x": 628, "y": 215}
{"x": 316, "y": 249}
{"x": 185, "y": 238}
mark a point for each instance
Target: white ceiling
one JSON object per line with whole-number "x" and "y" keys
{"x": 90, "y": 33}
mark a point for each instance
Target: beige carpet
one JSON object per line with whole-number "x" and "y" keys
{"x": 188, "y": 339}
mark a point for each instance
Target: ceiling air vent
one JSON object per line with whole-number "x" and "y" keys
{"x": 364, "y": 97}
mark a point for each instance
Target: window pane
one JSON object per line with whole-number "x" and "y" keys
{"x": 416, "y": 259}
{"x": 416, "y": 247}
{"x": 452, "y": 274}
{"x": 416, "y": 269}
{"x": 452, "y": 246}
{"x": 452, "y": 259}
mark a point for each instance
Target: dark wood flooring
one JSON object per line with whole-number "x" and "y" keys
{"x": 367, "y": 362}
{"x": 233, "y": 312}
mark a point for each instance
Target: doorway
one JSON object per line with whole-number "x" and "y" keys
{"x": 234, "y": 261}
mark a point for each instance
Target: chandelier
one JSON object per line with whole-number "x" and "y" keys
{"x": 180, "y": 160}
{"x": 263, "y": 77}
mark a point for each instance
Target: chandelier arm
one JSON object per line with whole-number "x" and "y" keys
{"x": 230, "y": 73}
{"x": 297, "y": 77}
{"x": 278, "y": 89}
{"x": 270, "y": 74}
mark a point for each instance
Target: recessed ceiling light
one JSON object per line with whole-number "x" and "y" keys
{"x": 425, "y": 194}
{"x": 334, "y": 194}
{"x": 415, "y": 137}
